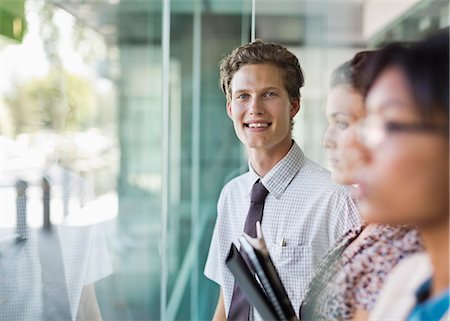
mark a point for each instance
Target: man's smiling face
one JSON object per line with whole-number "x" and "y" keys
{"x": 260, "y": 107}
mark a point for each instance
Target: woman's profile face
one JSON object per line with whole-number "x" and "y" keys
{"x": 405, "y": 176}
{"x": 345, "y": 107}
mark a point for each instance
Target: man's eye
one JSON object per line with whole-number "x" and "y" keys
{"x": 242, "y": 96}
{"x": 270, "y": 94}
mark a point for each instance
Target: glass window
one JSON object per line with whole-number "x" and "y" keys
{"x": 92, "y": 134}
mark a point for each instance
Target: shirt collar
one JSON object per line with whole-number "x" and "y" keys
{"x": 280, "y": 176}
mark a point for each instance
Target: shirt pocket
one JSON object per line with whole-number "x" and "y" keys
{"x": 294, "y": 265}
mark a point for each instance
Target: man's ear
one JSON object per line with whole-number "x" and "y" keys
{"x": 229, "y": 109}
{"x": 295, "y": 107}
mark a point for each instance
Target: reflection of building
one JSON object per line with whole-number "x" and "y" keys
{"x": 203, "y": 150}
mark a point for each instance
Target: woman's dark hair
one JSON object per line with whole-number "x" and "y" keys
{"x": 354, "y": 73}
{"x": 425, "y": 65}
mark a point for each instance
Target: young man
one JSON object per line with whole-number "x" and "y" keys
{"x": 303, "y": 213}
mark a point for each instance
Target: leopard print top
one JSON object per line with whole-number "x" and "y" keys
{"x": 350, "y": 278}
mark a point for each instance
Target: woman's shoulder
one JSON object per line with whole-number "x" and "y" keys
{"x": 374, "y": 255}
{"x": 400, "y": 287}
{"x": 390, "y": 243}
{"x": 416, "y": 266}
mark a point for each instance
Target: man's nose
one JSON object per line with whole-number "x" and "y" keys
{"x": 256, "y": 107}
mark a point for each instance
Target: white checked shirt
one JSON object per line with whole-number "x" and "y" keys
{"x": 304, "y": 210}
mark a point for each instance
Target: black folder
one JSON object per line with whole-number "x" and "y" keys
{"x": 249, "y": 284}
{"x": 269, "y": 278}
{"x": 265, "y": 291}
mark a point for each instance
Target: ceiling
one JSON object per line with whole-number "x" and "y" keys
{"x": 140, "y": 20}
{"x": 334, "y": 22}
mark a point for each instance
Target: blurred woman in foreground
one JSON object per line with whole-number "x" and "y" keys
{"x": 404, "y": 175}
{"x": 348, "y": 281}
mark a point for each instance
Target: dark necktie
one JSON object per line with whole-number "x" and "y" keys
{"x": 240, "y": 307}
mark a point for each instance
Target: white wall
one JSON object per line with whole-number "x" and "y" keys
{"x": 379, "y": 13}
